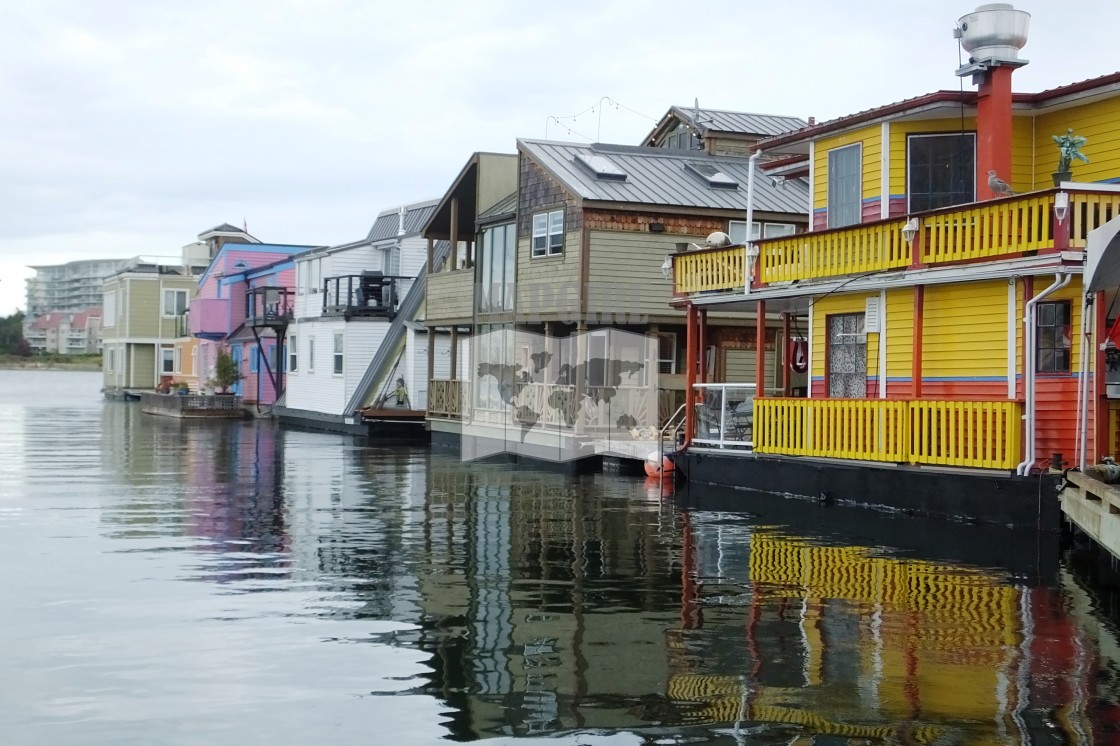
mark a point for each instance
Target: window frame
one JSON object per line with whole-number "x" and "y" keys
{"x": 831, "y": 357}
{"x": 311, "y": 354}
{"x": 174, "y": 313}
{"x": 671, "y": 339}
{"x": 109, "y": 309}
{"x": 760, "y": 227}
{"x": 338, "y": 354}
{"x": 1054, "y": 326}
{"x": 836, "y": 219}
{"x": 542, "y": 226}
{"x": 167, "y": 361}
{"x": 293, "y": 353}
{"x": 971, "y": 172}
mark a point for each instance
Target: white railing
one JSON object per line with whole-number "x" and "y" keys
{"x": 724, "y": 414}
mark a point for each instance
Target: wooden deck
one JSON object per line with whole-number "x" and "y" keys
{"x": 1094, "y": 507}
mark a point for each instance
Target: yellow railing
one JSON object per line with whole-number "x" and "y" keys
{"x": 711, "y": 269}
{"x": 981, "y": 434}
{"x": 864, "y": 248}
{"x": 1089, "y": 211}
{"x": 988, "y": 229}
{"x": 983, "y": 230}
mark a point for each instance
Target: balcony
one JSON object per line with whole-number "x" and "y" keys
{"x": 271, "y": 307}
{"x": 210, "y": 318}
{"x": 370, "y": 294}
{"x": 1006, "y": 228}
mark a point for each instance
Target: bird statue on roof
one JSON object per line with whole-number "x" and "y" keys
{"x": 999, "y": 187}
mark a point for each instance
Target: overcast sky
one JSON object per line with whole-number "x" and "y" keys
{"x": 128, "y": 127}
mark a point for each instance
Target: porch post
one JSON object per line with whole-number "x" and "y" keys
{"x": 785, "y": 354}
{"x": 702, "y": 346}
{"x": 454, "y": 245}
{"x": 1101, "y": 435}
{"x": 760, "y": 351}
{"x": 916, "y": 362}
{"x": 454, "y": 352}
{"x": 431, "y": 359}
{"x": 431, "y": 248}
{"x": 690, "y": 344}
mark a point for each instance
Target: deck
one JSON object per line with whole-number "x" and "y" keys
{"x": 193, "y": 406}
{"x": 1094, "y": 507}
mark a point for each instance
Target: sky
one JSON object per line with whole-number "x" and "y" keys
{"x": 128, "y": 128}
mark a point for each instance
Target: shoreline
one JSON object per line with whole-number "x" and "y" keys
{"x": 87, "y": 368}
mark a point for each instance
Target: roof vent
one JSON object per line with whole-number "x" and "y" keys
{"x": 994, "y": 32}
{"x": 600, "y": 166}
{"x": 711, "y": 175}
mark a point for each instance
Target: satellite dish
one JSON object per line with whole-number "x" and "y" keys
{"x": 718, "y": 239}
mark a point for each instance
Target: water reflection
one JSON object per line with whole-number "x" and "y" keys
{"x": 303, "y": 586}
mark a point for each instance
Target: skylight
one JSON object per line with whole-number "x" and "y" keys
{"x": 600, "y": 166}
{"x": 712, "y": 175}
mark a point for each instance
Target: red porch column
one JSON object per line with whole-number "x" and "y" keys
{"x": 702, "y": 345}
{"x": 786, "y": 354}
{"x": 1102, "y": 438}
{"x": 690, "y": 343}
{"x": 916, "y": 363}
{"x": 760, "y": 351}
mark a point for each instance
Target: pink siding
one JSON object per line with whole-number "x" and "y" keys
{"x": 210, "y": 316}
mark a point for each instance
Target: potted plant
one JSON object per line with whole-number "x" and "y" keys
{"x": 183, "y": 388}
{"x": 1069, "y": 146}
{"x": 226, "y": 372}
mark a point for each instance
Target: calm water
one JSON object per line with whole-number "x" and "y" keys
{"x": 235, "y": 583}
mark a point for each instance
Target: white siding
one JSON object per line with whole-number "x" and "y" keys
{"x": 321, "y": 390}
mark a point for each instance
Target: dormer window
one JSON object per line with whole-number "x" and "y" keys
{"x": 845, "y": 186}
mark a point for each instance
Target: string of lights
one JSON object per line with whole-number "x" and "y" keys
{"x": 595, "y": 109}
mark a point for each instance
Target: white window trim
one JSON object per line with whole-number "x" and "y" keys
{"x": 311, "y": 354}
{"x": 546, "y": 218}
{"x": 673, "y": 360}
{"x": 293, "y": 354}
{"x": 760, "y": 228}
{"x": 859, "y": 185}
{"x": 173, "y": 313}
{"x": 338, "y": 359}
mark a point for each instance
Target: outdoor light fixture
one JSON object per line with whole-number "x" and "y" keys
{"x": 667, "y": 267}
{"x": 910, "y": 230}
{"x": 1061, "y": 206}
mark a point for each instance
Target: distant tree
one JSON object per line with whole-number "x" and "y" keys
{"x": 23, "y": 348}
{"x": 11, "y": 334}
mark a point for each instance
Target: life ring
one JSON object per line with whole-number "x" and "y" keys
{"x": 799, "y": 355}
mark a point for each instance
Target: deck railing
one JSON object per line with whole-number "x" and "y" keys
{"x": 447, "y": 399}
{"x": 995, "y": 229}
{"x": 979, "y": 434}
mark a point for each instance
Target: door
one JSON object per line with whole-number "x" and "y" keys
{"x": 847, "y": 356}
{"x": 236, "y": 353}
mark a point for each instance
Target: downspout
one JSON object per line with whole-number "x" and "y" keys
{"x": 1029, "y": 354}
{"x": 1087, "y": 348}
{"x": 748, "y": 246}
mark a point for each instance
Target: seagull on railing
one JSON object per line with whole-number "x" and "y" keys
{"x": 999, "y": 186}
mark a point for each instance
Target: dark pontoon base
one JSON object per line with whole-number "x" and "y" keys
{"x": 452, "y": 442}
{"x": 1023, "y": 502}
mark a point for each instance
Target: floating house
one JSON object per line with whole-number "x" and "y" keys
{"x": 935, "y": 304}
{"x": 356, "y": 361}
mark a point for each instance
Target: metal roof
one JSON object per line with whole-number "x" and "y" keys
{"x": 718, "y": 120}
{"x": 659, "y": 176}
{"x": 388, "y": 222}
{"x": 506, "y": 206}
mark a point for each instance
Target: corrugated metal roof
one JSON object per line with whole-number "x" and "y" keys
{"x": 415, "y": 216}
{"x": 505, "y": 206}
{"x": 658, "y": 176}
{"x": 718, "y": 120}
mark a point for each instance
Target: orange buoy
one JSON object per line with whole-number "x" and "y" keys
{"x": 655, "y": 469}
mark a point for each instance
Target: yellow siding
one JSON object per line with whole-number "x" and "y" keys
{"x": 1023, "y": 177}
{"x": 900, "y": 333}
{"x": 964, "y": 330}
{"x": 835, "y": 304}
{"x": 901, "y": 130}
{"x": 1097, "y": 123}
{"x": 871, "y": 139}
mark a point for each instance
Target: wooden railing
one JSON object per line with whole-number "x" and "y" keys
{"x": 447, "y": 399}
{"x": 995, "y": 229}
{"x": 710, "y": 269}
{"x": 980, "y": 434}
{"x": 843, "y": 251}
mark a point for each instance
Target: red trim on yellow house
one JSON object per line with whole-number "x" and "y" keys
{"x": 993, "y": 129}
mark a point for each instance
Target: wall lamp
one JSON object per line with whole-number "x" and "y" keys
{"x": 1061, "y": 206}
{"x": 910, "y": 230}
{"x": 667, "y": 267}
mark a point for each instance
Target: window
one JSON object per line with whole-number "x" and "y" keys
{"x": 301, "y": 278}
{"x": 254, "y": 354}
{"x": 338, "y": 353}
{"x": 174, "y": 302}
{"x": 940, "y": 170}
{"x": 496, "y": 266}
{"x": 847, "y": 356}
{"x": 178, "y": 359}
{"x": 313, "y": 277}
{"x": 666, "y": 352}
{"x": 737, "y": 229}
{"x": 109, "y": 311}
{"x": 293, "y": 354}
{"x": 1052, "y": 322}
{"x": 311, "y": 355}
{"x": 682, "y": 139}
{"x": 548, "y": 233}
{"x": 110, "y": 359}
{"x": 167, "y": 360}
{"x": 844, "y": 186}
